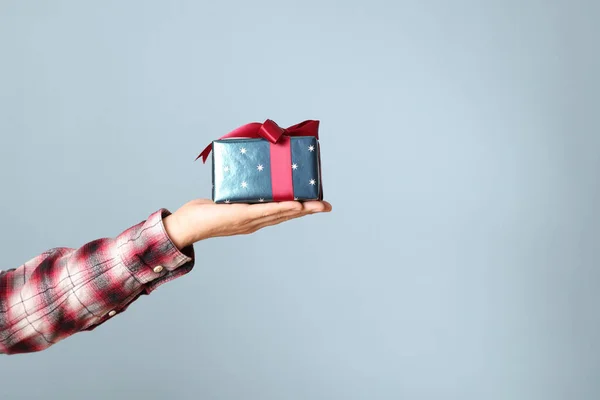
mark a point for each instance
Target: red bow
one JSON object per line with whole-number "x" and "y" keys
{"x": 268, "y": 130}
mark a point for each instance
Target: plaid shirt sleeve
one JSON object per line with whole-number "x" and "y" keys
{"x": 65, "y": 291}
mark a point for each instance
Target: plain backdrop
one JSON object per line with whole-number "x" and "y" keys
{"x": 460, "y": 147}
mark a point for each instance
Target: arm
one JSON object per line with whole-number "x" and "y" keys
{"x": 65, "y": 291}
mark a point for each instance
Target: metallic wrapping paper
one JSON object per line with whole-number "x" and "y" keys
{"x": 241, "y": 170}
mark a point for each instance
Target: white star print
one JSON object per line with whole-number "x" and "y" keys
{"x": 260, "y": 167}
{"x": 226, "y": 169}
{"x": 227, "y": 202}
{"x": 294, "y": 166}
{"x": 312, "y": 182}
{"x": 261, "y": 200}
{"x": 244, "y": 184}
{"x": 295, "y": 198}
{"x": 243, "y": 150}
{"x": 311, "y": 148}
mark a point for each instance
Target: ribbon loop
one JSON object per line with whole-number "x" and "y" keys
{"x": 268, "y": 130}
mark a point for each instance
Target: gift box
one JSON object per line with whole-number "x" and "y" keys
{"x": 266, "y": 163}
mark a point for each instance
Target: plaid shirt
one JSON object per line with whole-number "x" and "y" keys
{"x": 64, "y": 291}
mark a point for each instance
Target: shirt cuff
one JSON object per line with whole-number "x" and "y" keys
{"x": 150, "y": 255}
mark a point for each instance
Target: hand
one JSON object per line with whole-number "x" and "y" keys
{"x": 202, "y": 219}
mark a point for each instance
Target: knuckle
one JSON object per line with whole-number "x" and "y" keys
{"x": 297, "y": 207}
{"x": 237, "y": 224}
{"x": 245, "y": 220}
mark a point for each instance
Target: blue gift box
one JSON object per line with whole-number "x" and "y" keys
{"x": 243, "y": 171}
{"x": 264, "y": 163}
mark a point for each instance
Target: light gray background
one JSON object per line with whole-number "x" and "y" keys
{"x": 460, "y": 146}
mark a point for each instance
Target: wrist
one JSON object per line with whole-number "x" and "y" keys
{"x": 176, "y": 232}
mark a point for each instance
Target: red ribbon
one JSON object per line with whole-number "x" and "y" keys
{"x": 281, "y": 156}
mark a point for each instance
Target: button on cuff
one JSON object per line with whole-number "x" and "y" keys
{"x": 147, "y": 245}
{"x": 158, "y": 269}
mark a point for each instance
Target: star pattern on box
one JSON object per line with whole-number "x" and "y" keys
{"x": 247, "y": 176}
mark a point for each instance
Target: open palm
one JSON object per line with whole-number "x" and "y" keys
{"x": 202, "y": 219}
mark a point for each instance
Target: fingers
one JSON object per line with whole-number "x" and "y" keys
{"x": 317, "y": 206}
{"x": 285, "y": 215}
{"x": 257, "y": 211}
{"x": 271, "y": 209}
{"x": 276, "y": 221}
{"x": 304, "y": 209}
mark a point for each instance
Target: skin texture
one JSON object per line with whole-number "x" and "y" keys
{"x": 202, "y": 219}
